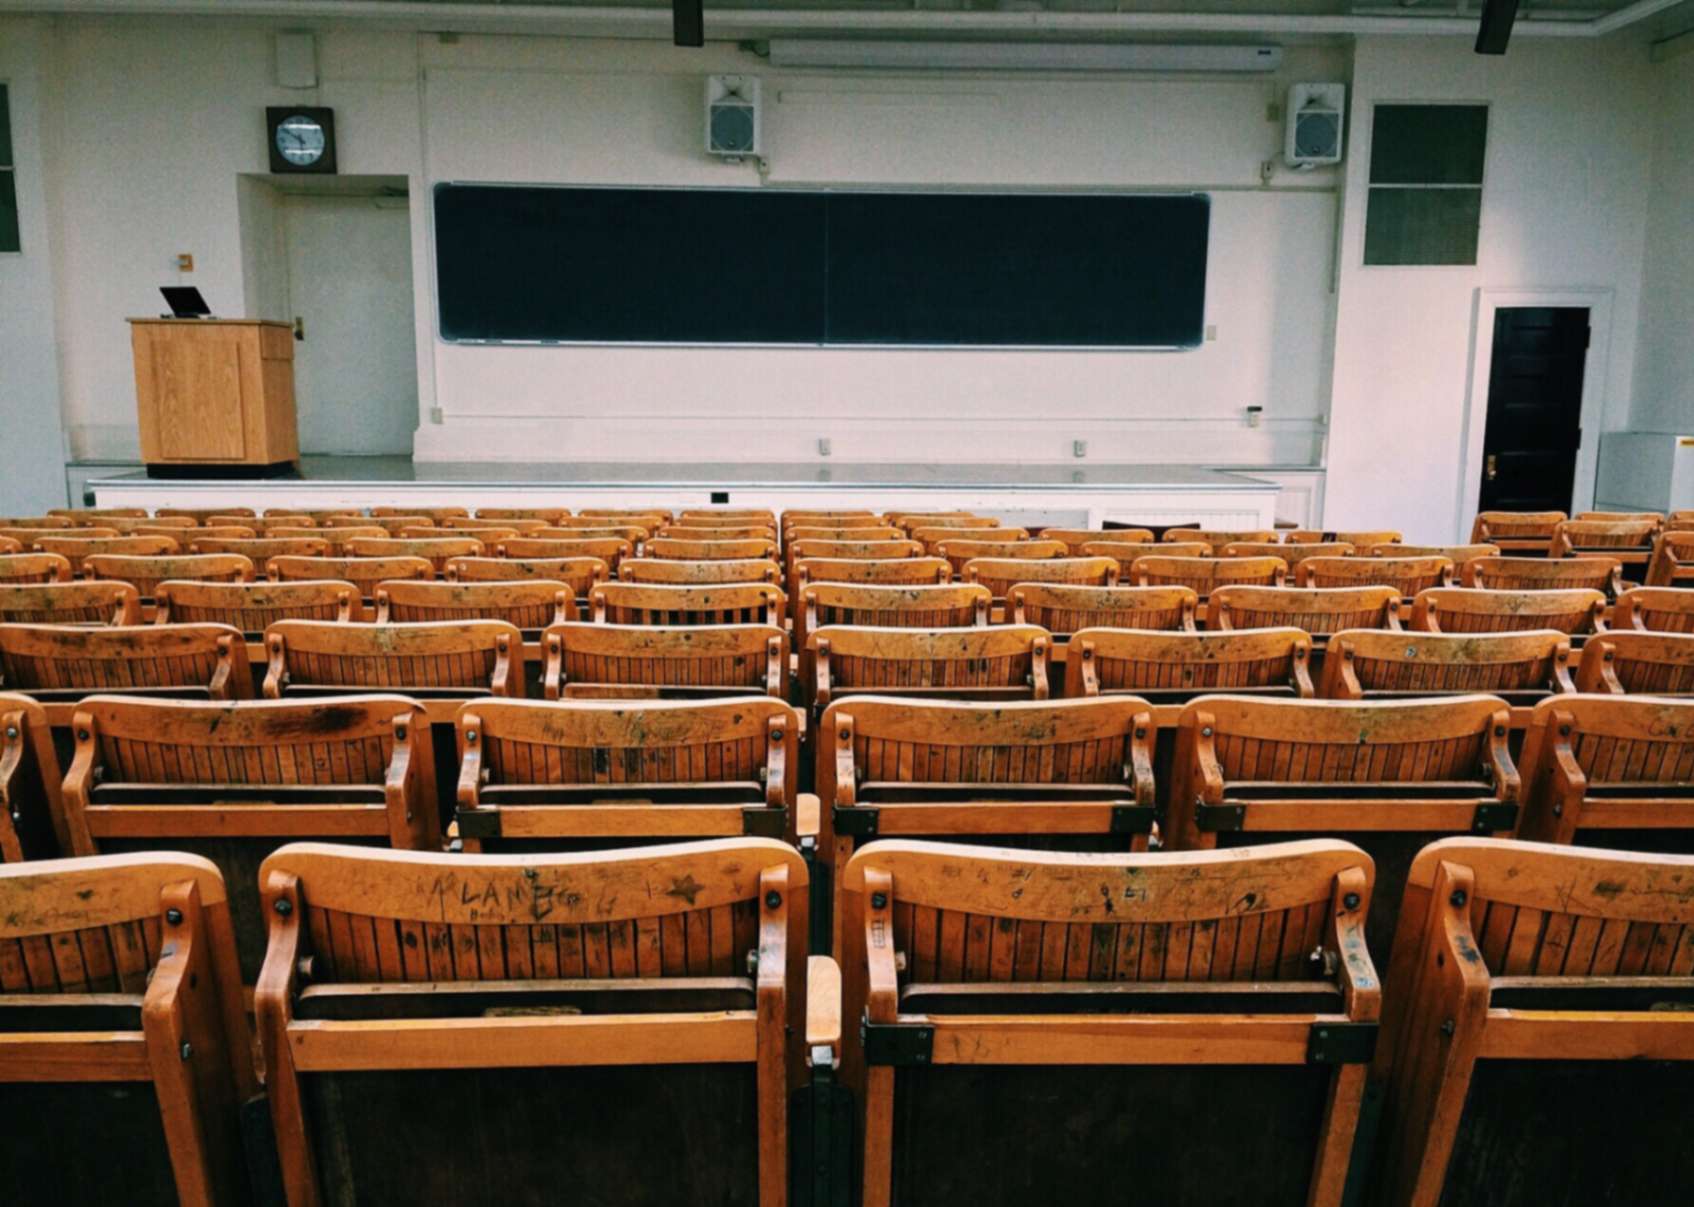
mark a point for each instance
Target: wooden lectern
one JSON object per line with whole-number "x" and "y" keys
{"x": 215, "y": 397}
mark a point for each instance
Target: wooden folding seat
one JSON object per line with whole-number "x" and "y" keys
{"x": 605, "y": 530}
{"x": 1036, "y": 1025}
{"x": 633, "y": 515}
{"x": 647, "y": 522}
{"x": 912, "y": 520}
{"x": 1204, "y": 575}
{"x": 959, "y": 552}
{"x": 727, "y": 515}
{"x": 623, "y": 770}
{"x": 146, "y": 573}
{"x": 1527, "y": 533}
{"x": 544, "y": 515}
{"x": 31, "y": 815}
{"x": 848, "y": 550}
{"x": 944, "y": 606}
{"x": 1520, "y": 668}
{"x": 1640, "y": 664}
{"x": 660, "y": 604}
{"x": 254, "y": 607}
{"x": 611, "y": 550}
{"x": 512, "y": 527}
{"x": 794, "y": 515}
{"x": 1001, "y": 574}
{"x": 1545, "y": 574}
{"x": 124, "y": 1051}
{"x": 621, "y": 662}
{"x": 1127, "y": 553}
{"x": 435, "y": 513}
{"x": 221, "y": 531}
{"x": 36, "y": 521}
{"x": 1535, "y": 1035}
{"x": 1359, "y": 539}
{"x": 1459, "y": 555}
{"x": 391, "y": 525}
{"x": 869, "y": 531}
{"x": 26, "y": 537}
{"x": 76, "y": 549}
{"x": 1174, "y": 667}
{"x": 1610, "y": 771}
{"x": 1673, "y": 560}
{"x": 432, "y": 660}
{"x": 334, "y": 540}
{"x": 717, "y": 532}
{"x": 1001, "y": 662}
{"x": 1062, "y": 609}
{"x": 529, "y": 604}
{"x": 699, "y": 573}
{"x": 22, "y": 568}
{"x": 1073, "y": 539}
{"x": 1389, "y": 775}
{"x": 1655, "y": 610}
{"x": 90, "y": 517}
{"x": 148, "y": 525}
{"x": 666, "y": 549}
{"x": 1474, "y": 610}
{"x": 436, "y": 552}
{"x": 201, "y": 515}
{"x": 931, "y": 536}
{"x": 1292, "y": 554}
{"x": 365, "y": 573}
{"x": 891, "y": 572}
{"x": 579, "y": 1000}
{"x": 1621, "y": 517}
{"x": 232, "y": 782}
{"x": 81, "y": 602}
{"x": 1407, "y": 575}
{"x": 578, "y": 573}
{"x": 63, "y": 663}
{"x": 1318, "y": 610}
{"x": 1217, "y": 538}
{"x": 260, "y": 550}
{"x": 317, "y": 516}
{"x": 1629, "y": 541}
{"x": 9, "y": 545}
{"x": 490, "y": 535}
{"x": 289, "y": 525}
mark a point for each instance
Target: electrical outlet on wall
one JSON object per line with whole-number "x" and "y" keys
{"x": 823, "y": 446}
{"x": 1079, "y": 448}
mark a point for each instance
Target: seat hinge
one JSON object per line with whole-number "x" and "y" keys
{"x": 1341, "y": 1043}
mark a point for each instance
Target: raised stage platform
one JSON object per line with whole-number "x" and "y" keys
{"x": 1079, "y": 496}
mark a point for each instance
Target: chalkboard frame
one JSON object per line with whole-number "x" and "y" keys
{"x": 1193, "y": 342}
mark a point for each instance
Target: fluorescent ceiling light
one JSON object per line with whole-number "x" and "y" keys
{"x": 1021, "y": 56}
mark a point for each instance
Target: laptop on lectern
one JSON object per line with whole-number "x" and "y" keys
{"x": 185, "y": 302}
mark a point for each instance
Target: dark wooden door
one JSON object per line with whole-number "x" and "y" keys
{"x": 1534, "y": 408}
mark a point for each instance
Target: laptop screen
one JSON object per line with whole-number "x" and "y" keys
{"x": 185, "y": 301}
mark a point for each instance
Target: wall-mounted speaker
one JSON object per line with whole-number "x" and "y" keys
{"x": 732, "y": 115}
{"x": 1315, "y": 117}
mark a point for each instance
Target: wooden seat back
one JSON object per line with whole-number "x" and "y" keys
{"x": 1516, "y": 531}
{"x": 128, "y": 525}
{"x": 910, "y": 520}
{"x": 610, "y": 550}
{"x": 543, "y": 515}
{"x": 1317, "y": 610}
{"x": 437, "y": 551}
{"x": 669, "y": 549}
{"x": 629, "y": 515}
{"x": 146, "y": 573}
{"x": 587, "y": 997}
{"x": 1407, "y": 575}
{"x": 728, "y": 603}
{"x": 1610, "y": 771}
{"x": 1001, "y": 662}
{"x": 1292, "y": 554}
{"x": 365, "y": 573}
{"x": 10, "y": 545}
{"x": 1385, "y": 773}
{"x": 204, "y": 532}
{"x": 1459, "y": 555}
{"x": 1525, "y": 978}
{"x": 1203, "y": 575}
{"x": 435, "y": 513}
{"x": 931, "y": 535}
{"x": 1217, "y": 538}
{"x": 260, "y": 529}
{"x": 260, "y": 550}
{"x": 88, "y": 517}
{"x": 1621, "y": 517}
{"x": 1655, "y": 610}
{"x": 81, "y": 602}
{"x": 1062, "y": 609}
{"x": 77, "y": 549}
{"x": 1629, "y": 541}
{"x": 56, "y": 663}
{"x": 512, "y": 526}
{"x": 845, "y": 530}
{"x": 391, "y": 525}
{"x": 602, "y": 530}
{"x": 1359, "y": 539}
{"x": 431, "y": 660}
{"x": 895, "y": 572}
{"x": 36, "y": 521}
{"x": 1521, "y": 668}
{"x": 31, "y": 813}
{"x": 1001, "y": 574}
{"x": 717, "y": 532}
{"x": 621, "y": 662}
{"x": 949, "y": 606}
{"x": 335, "y": 540}
{"x": 848, "y": 549}
{"x": 1627, "y": 661}
{"x": 489, "y": 534}
{"x": 1170, "y": 668}
{"x": 1073, "y": 539}
{"x": 121, "y": 1023}
{"x": 233, "y": 781}
{"x": 526, "y": 603}
{"x": 1673, "y": 560}
{"x": 253, "y": 607}
{"x": 959, "y": 552}
{"x": 202, "y": 515}
{"x": 1544, "y": 574}
{"x": 577, "y": 573}
{"x": 1066, "y": 1001}
{"x": 1473, "y": 610}
{"x": 700, "y": 573}
{"x": 727, "y": 515}
{"x": 621, "y": 769}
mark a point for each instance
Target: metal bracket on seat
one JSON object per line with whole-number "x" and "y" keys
{"x": 478, "y": 823}
{"x": 1492, "y": 815}
{"x": 1341, "y": 1043}
{"x": 859, "y": 821}
{"x": 896, "y": 1044}
{"x": 1214, "y": 818}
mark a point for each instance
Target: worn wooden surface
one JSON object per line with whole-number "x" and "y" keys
{"x": 1477, "y": 610}
{"x": 82, "y": 602}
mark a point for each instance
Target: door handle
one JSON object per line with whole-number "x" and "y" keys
{"x": 1491, "y": 467}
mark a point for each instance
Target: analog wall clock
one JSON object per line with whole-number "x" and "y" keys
{"x": 301, "y": 139}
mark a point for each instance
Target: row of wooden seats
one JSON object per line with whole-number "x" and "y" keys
{"x": 643, "y": 1026}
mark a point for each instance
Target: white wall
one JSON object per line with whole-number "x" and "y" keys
{"x": 1664, "y": 367}
{"x": 32, "y": 464}
{"x": 1564, "y": 204}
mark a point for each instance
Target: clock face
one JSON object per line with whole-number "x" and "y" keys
{"x": 300, "y": 140}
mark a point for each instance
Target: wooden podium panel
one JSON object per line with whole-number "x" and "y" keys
{"x": 215, "y": 395}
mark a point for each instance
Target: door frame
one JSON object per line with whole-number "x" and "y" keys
{"x": 1599, "y": 301}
